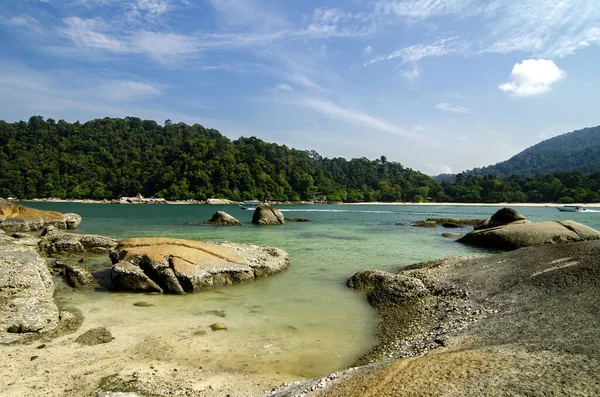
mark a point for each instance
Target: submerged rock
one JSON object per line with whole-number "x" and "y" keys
{"x": 458, "y": 221}
{"x": 222, "y": 218}
{"x": 423, "y": 224}
{"x": 178, "y": 266}
{"x": 95, "y": 336}
{"x": 297, "y": 219}
{"x": 218, "y": 327}
{"x": 264, "y": 214}
{"x": 79, "y": 277}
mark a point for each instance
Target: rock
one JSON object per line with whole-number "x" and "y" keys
{"x": 19, "y": 218}
{"x": 297, "y": 220}
{"x": 54, "y": 242}
{"x": 264, "y": 214}
{"x": 79, "y": 277}
{"x": 218, "y": 327}
{"x": 143, "y": 304}
{"x": 502, "y": 217}
{"x": 452, "y": 235}
{"x": 214, "y": 201}
{"x": 518, "y": 235}
{"x": 222, "y": 218}
{"x": 458, "y": 221}
{"x": 72, "y": 220}
{"x": 27, "y": 308}
{"x": 95, "y": 336}
{"x": 450, "y": 225}
{"x": 424, "y": 224}
{"x": 179, "y": 266}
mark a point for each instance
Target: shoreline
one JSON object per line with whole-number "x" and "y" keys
{"x": 132, "y": 200}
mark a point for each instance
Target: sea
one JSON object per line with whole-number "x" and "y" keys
{"x": 300, "y": 323}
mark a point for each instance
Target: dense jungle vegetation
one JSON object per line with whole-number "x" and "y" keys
{"x": 112, "y": 157}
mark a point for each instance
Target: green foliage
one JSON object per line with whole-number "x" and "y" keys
{"x": 112, "y": 157}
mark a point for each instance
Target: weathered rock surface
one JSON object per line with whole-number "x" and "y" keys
{"x": 502, "y": 217}
{"x": 179, "y": 266}
{"x": 26, "y": 293}
{"x": 56, "y": 242}
{"x": 19, "y": 218}
{"x": 518, "y": 235}
{"x": 264, "y": 214}
{"x": 423, "y": 224}
{"x": 520, "y": 323}
{"x": 222, "y": 218}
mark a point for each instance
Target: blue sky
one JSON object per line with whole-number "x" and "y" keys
{"x": 438, "y": 85}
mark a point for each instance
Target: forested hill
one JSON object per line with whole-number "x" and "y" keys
{"x": 577, "y": 150}
{"x": 112, "y": 157}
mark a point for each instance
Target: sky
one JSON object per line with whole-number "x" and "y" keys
{"x": 440, "y": 86}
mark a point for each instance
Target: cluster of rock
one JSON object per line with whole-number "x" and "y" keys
{"x": 180, "y": 266}
{"x": 18, "y": 218}
{"x": 508, "y": 229}
{"x": 452, "y": 223}
{"x": 264, "y": 214}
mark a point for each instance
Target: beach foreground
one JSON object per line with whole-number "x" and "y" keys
{"x": 520, "y": 323}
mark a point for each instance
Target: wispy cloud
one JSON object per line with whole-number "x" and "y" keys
{"x": 423, "y": 9}
{"x": 532, "y": 77}
{"x": 125, "y": 90}
{"x": 415, "y": 53}
{"x": 446, "y": 107}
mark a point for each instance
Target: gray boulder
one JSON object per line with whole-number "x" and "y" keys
{"x": 72, "y": 220}
{"x": 179, "y": 266}
{"x": 502, "y": 217}
{"x": 27, "y": 308}
{"x": 264, "y": 214}
{"x": 55, "y": 242}
{"x": 79, "y": 277}
{"x": 518, "y": 235}
{"x": 222, "y": 218}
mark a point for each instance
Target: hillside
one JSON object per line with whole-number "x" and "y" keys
{"x": 112, "y": 157}
{"x": 577, "y": 150}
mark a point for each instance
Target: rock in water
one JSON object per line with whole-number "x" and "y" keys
{"x": 222, "y": 218}
{"x": 179, "y": 266}
{"x": 79, "y": 277}
{"x": 502, "y": 217}
{"x": 264, "y": 214}
{"x": 522, "y": 233}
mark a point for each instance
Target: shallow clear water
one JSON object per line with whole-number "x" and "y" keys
{"x": 303, "y": 322}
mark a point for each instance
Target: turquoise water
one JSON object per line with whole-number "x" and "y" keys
{"x": 303, "y": 322}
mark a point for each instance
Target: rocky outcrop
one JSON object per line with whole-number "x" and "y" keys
{"x": 19, "y": 218}
{"x": 457, "y": 221}
{"x": 519, "y": 233}
{"x": 423, "y": 224}
{"x": 264, "y": 214}
{"x": 179, "y": 266}
{"x": 222, "y": 218}
{"x": 55, "y": 242}
{"x": 518, "y": 323}
{"x": 27, "y": 308}
{"x": 502, "y": 217}
{"x": 79, "y": 277}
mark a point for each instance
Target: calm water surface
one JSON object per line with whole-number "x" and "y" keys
{"x": 303, "y": 322}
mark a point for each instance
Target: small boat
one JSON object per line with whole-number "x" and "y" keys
{"x": 248, "y": 205}
{"x": 574, "y": 208}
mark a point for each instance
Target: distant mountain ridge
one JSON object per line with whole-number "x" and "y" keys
{"x": 577, "y": 150}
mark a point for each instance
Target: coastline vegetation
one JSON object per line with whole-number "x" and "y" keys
{"x": 113, "y": 157}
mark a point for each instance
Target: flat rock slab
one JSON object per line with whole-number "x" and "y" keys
{"x": 26, "y": 293}
{"x": 179, "y": 266}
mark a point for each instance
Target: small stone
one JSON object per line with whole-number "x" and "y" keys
{"x": 143, "y": 304}
{"x": 95, "y": 336}
{"x": 43, "y": 345}
{"x": 34, "y": 357}
{"x": 218, "y": 327}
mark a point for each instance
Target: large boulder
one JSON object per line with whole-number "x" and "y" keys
{"x": 222, "y": 218}
{"x": 264, "y": 214}
{"x": 55, "y": 242}
{"x": 518, "y": 235}
{"x": 19, "y": 218}
{"x": 27, "y": 308}
{"x": 179, "y": 266}
{"x": 502, "y": 217}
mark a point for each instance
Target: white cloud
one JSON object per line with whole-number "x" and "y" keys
{"x": 368, "y": 50}
{"x": 88, "y": 33}
{"x": 446, "y": 107}
{"x": 284, "y": 87}
{"x": 532, "y": 77}
{"x": 162, "y": 45}
{"x": 123, "y": 90}
{"x": 422, "y": 9}
{"x": 412, "y": 73}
